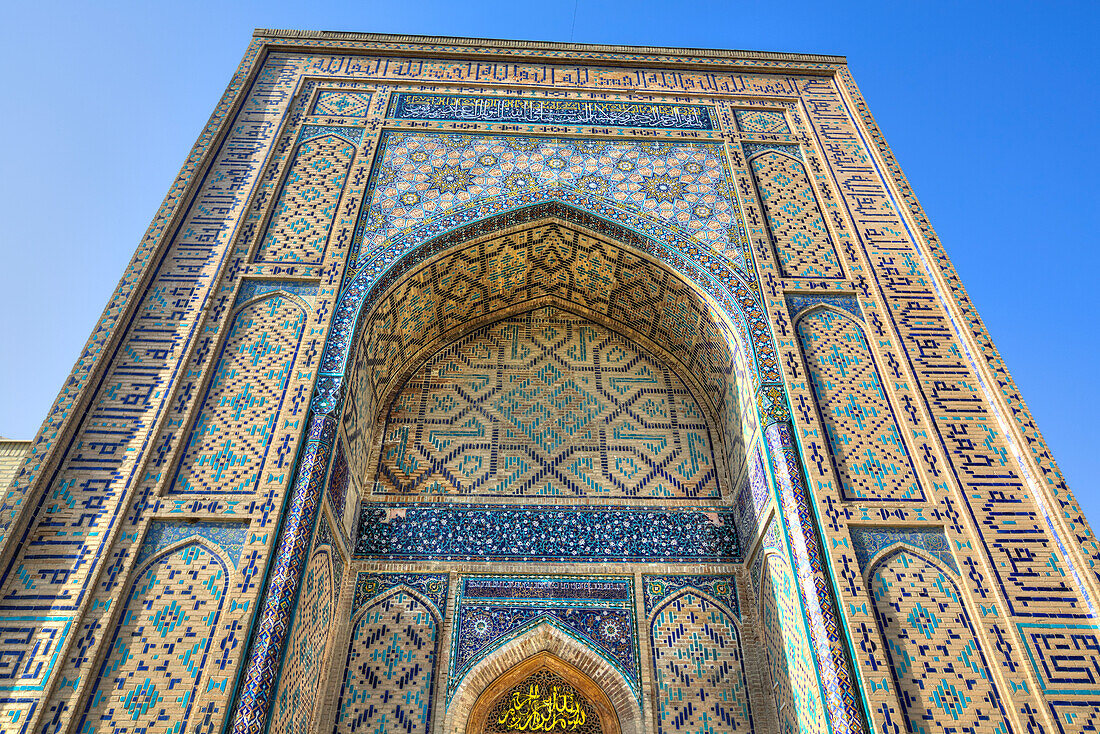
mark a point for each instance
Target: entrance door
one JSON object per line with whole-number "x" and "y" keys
{"x": 543, "y": 694}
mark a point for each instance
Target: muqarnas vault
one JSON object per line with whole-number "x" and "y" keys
{"x": 485, "y": 386}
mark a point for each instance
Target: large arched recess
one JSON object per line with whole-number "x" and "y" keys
{"x": 546, "y": 261}
{"x": 667, "y": 292}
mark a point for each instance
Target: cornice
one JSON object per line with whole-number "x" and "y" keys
{"x": 491, "y": 47}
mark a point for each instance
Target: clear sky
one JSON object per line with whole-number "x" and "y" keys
{"x": 991, "y": 109}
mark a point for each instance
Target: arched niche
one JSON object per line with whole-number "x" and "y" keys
{"x": 544, "y": 647}
{"x": 535, "y": 685}
{"x": 455, "y": 289}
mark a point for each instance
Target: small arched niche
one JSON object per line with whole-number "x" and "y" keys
{"x": 543, "y": 693}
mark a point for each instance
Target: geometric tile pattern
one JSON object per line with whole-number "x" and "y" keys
{"x": 790, "y": 657}
{"x": 303, "y": 213}
{"x": 160, "y": 645}
{"x": 939, "y": 668}
{"x": 431, "y": 586}
{"x": 545, "y": 260}
{"x": 579, "y": 534}
{"x": 868, "y": 542}
{"x": 722, "y": 589}
{"x": 698, "y": 669}
{"x": 548, "y": 111}
{"x": 596, "y": 610}
{"x": 341, "y": 103}
{"x": 236, "y": 421}
{"x": 546, "y": 404}
{"x": 802, "y": 242}
{"x": 861, "y": 428}
{"x": 388, "y": 675}
{"x": 779, "y": 674}
{"x": 422, "y": 175}
{"x": 761, "y": 121}
{"x": 229, "y": 536}
{"x": 304, "y": 661}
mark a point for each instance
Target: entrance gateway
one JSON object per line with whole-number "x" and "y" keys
{"x": 484, "y": 386}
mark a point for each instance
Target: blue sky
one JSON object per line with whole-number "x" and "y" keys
{"x": 991, "y": 109}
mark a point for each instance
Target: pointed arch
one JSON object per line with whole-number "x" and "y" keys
{"x": 559, "y": 671}
{"x": 172, "y": 610}
{"x": 541, "y": 253}
{"x": 698, "y": 665}
{"x": 862, "y": 430}
{"x": 389, "y": 671}
{"x": 918, "y": 606}
{"x": 299, "y": 225}
{"x": 544, "y": 638}
{"x": 251, "y": 374}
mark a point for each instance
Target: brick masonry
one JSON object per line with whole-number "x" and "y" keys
{"x": 638, "y": 370}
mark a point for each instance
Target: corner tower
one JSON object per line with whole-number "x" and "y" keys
{"x": 485, "y": 386}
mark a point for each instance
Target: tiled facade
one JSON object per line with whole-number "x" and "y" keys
{"x": 458, "y": 387}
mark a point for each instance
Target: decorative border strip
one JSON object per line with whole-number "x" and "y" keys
{"x": 468, "y": 532}
{"x": 522, "y": 110}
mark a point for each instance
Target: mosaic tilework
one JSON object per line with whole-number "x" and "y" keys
{"x": 966, "y": 422}
{"x": 790, "y": 657}
{"x": 422, "y": 175}
{"x": 229, "y": 536}
{"x": 753, "y": 496}
{"x": 338, "y": 480}
{"x": 303, "y": 214}
{"x": 598, "y": 610}
{"x": 761, "y": 121}
{"x": 634, "y": 293}
{"x": 63, "y": 526}
{"x": 861, "y": 429}
{"x": 698, "y": 669}
{"x": 546, "y": 403}
{"x": 159, "y": 648}
{"x": 869, "y": 542}
{"x": 919, "y": 610}
{"x": 723, "y": 589}
{"x": 303, "y": 663}
{"x": 549, "y": 111}
{"x": 779, "y": 673}
{"x": 802, "y": 242}
{"x": 224, "y": 453}
{"x": 496, "y": 532}
{"x": 431, "y": 586}
{"x": 799, "y": 303}
{"x": 342, "y": 103}
{"x": 388, "y": 678}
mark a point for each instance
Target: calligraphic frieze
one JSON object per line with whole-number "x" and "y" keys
{"x": 529, "y": 110}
